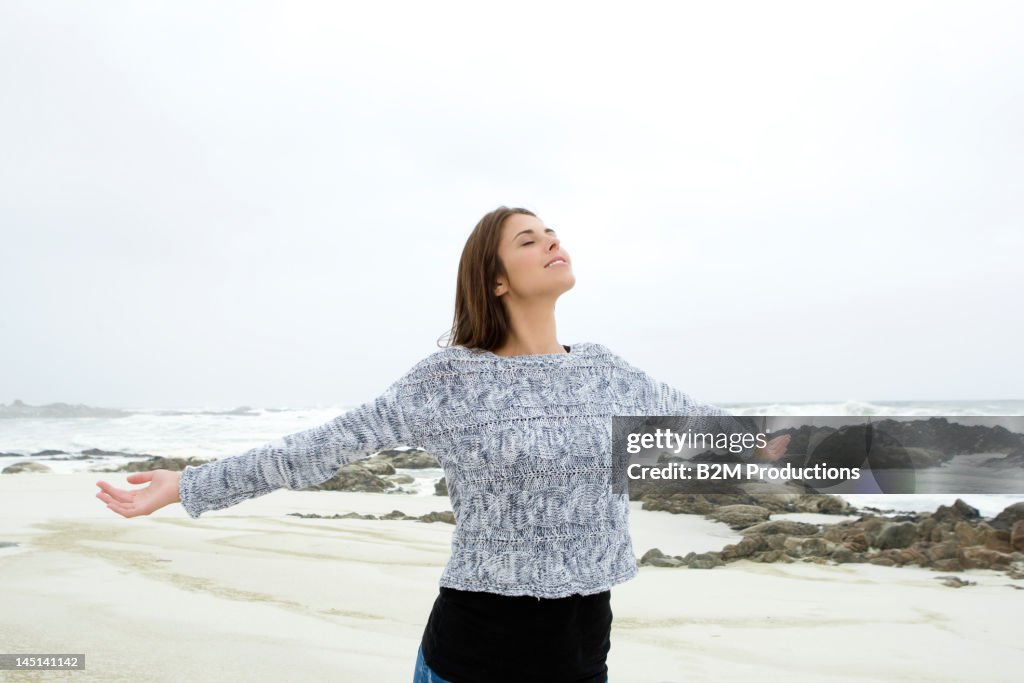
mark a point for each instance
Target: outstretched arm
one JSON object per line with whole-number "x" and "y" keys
{"x": 661, "y": 398}
{"x": 299, "y": 460}
{"x": 675, "y": 401}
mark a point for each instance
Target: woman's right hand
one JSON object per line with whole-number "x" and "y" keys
{"x": 162, "y": 490}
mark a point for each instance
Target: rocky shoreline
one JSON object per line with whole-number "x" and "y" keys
{"x": 953, "y": 538}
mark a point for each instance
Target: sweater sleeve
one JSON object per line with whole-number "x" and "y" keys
{"x": 660, "y": 398}
{"x": 672, "y": 401}
{"x": 302, "y": 459}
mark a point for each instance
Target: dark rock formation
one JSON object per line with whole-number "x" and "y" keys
{"x": 953, "y": 538}
{"x": 445, "y": 516}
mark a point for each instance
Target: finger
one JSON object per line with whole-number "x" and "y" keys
{"x": 110, "y": 500}
{"x": 140, "y": 477}
{"x": 116, "y": 493}
{"x": 120, "y": 495}
{"x": 125, "y": 510}
{"x": 116, "y": 508}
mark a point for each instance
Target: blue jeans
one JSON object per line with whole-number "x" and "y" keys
{"x": 424, "y": 674}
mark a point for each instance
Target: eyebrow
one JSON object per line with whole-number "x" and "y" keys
{"x": 530, "y": 230}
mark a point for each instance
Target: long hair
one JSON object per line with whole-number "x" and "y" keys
{"x": 480, "y": 321}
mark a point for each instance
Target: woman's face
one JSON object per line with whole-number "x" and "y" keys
{"x": 526, "y": 249}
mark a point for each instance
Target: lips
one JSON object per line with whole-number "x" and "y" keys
{"x": 557, "y": 259}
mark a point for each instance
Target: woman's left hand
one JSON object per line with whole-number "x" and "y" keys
{"x": 774, "y": 449}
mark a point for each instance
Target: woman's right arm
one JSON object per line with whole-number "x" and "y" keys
{"x": 302, "y": 459}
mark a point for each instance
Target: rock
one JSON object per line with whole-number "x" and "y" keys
{"x": 778, "y": 555}
{"x": 953, "y": 538}
{"x": 782, "y": 526}
{"x": 956, "y": 512}
{"x": 354, "y": 477}
{"x": 747, "y": 546}
{"x": 982, "y": 534}
{"x": 1010, "y": 515}
{"x": 931, "y": 530}
{"x": 913, "y": 555}
{"x": 950, "y": 565}
{"x": 655, "y": 558}
{"x": 1016, "y": 569}
{"x": 703, "y": 560}
{"x": 1017, "y": 535}
{"x": 946, "y": 550}
{"x": 1011, "y": 461}
{"x": 773, "y": 502}
{"x": 441, "y": 487}
{"x": 157, "y": 462}
{"x": 739, "y": 516}
{"x": 897, "y": 535}
{"x": 856, "y": 540}
{"x": 446, "y": 516}
{"x": 414, "y": 459}
{"x": 809, "y": 547}
{"x": 26, "y": 466}
{"x": 651, "y": 554}
{"x": 93, "y": 452}
{"x": 954, "y": 439}
{"x": 378, "y": 467}
{"x": 665, "y": 561}
{"x": 980, "y": 557}
{"x": 822, "y": 504}
{"x": 347, "y": 515}
{"x": 954, "y": 581}
{"x": 872, "y": 528}
{"x": 842, "y": 555}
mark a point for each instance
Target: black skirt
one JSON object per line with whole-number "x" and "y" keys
{"x": 477, "y": 637}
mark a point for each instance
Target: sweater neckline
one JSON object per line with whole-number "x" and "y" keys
{"x": 572, "y": 351}
{"x": 567, "y": 347}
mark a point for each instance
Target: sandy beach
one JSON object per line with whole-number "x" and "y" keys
{"x": 250, "y": 593}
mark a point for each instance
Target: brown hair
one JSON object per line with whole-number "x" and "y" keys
{"x": 480, "y": 321}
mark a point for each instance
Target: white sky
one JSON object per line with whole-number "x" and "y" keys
{"x": 264, "y": 203}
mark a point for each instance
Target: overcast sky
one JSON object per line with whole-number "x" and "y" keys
{"x": 216, "y": 204}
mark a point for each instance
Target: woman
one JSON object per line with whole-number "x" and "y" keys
{"x": 521, "y": 425}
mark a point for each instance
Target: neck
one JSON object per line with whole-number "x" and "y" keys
{"x": 532, "y": 330}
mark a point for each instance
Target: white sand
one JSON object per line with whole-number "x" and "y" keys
{"x": 248, "y": 593}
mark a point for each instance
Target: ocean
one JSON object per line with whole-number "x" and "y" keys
{"x": 184, "y": 432}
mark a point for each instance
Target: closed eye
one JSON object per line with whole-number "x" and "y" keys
{"x": 525, "y": 243}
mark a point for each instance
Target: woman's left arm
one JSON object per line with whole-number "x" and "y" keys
{"x": 664, "y": 399}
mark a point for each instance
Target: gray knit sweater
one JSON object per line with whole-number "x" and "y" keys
{"x": 525, "y": 444}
